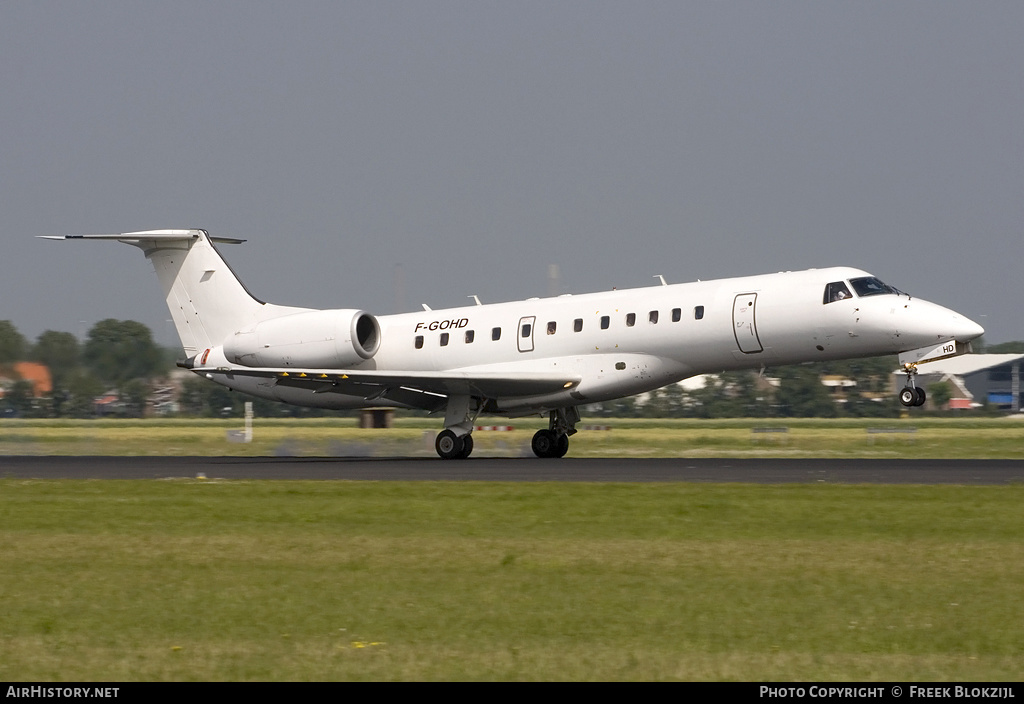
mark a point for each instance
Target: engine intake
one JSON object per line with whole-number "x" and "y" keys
{"x": 319, "y": 339}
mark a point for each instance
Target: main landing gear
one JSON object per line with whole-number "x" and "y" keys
{"x": 553, "y": 441}
{"x": 455, "y": 442}
{"x": 452, "y": 447}
{"x": 911, "y": 395}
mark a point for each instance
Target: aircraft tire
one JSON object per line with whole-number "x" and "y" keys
{"x": 545, "y": 443}
{"x": 449, "y": 445}
{"x": 562, "y": 446}
{"x": 908, "y": 396}
{"x": 920, "y": 396}
{"x": 467, "y": 447}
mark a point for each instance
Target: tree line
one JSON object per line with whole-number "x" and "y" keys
{"x": 119, "y": 357}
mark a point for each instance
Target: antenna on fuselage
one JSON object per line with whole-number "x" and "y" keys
{"x": 660, "y": 278}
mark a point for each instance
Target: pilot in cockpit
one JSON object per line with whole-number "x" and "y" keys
{"x": 836, "y": 291}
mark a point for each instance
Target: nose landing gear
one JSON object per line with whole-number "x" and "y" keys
{"x": 911, "y": 394}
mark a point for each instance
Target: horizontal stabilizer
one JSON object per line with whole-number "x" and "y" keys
{"x": 145, "y": 235}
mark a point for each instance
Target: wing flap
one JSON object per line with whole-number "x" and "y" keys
{"x": 401, "y": 395}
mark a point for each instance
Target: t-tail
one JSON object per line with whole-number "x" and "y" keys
{"x": 206, "y": 299}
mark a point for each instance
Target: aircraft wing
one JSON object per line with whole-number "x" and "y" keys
{"x": 427, "y": 390}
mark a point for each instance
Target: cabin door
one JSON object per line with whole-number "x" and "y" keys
{"x": 744, "y": 325}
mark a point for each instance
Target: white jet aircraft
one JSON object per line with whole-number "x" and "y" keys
{"x": 536, "y": 356}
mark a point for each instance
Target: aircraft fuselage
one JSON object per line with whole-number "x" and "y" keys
{"x": 624, "y": 342}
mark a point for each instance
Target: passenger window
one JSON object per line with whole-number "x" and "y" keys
{"x": 444, "y": 339}
{"x": 698, "y": 313}
{"x": 526, "y": 330}
{"x": 652, "y": 317}
{"x": 677, "y": 315}
{"x": 551, "y": 327}
{"x": 605, "y": 320}
{"x": 630, "y": 319}
{"x": 836, "y": 291}
{"x": 577, "y": 325}
{"x": 419, "y": 342}
{"x": 469, "y": 336}
{"x": 495, "y": 333}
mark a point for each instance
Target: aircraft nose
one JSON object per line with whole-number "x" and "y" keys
{"x": 967, "y": 329}
{"x": 926, "y": 322}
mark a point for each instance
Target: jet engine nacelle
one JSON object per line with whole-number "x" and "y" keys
{"x": 323, "y": 339}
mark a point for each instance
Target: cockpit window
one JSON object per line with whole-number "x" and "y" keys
{"x": 836, "y": 291}
{"x": 870, "y": 286}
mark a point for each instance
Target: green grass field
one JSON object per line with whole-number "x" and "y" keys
{"x": 932, "y": 438}
{"x": 262, "y": 580}
{"x": 194, "y": 580}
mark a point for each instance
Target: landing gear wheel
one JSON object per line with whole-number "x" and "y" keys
{"x": 548, "y": 443}
{"x": 563, "y": 446}
{"x": 449, "y": 445}
{"x": 911, "y": 395}
{"x": 467, "y": 447}
{"x": 908, "y": 396}
{"x": 544, "y": 443}
{"x": 919, "y": 401}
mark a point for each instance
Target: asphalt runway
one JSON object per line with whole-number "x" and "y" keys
{"x": 753, "y": 471}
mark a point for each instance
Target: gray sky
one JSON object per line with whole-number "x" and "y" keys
{"x": 474, "y": 143}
